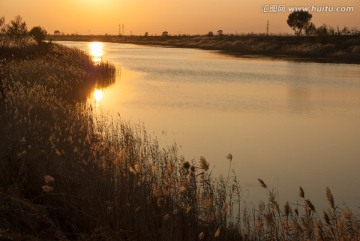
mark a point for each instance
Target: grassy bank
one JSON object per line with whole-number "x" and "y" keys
{"x": 337, "y": 48}
{"x": 68, "y": 174}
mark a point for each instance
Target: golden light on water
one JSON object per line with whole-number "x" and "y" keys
{"x": 98, "y": 95}
{"x": 96, "y": 51}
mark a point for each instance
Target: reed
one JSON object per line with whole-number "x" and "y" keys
{"x": 86, "y": 176}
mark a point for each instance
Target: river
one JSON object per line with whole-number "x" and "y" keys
{"x": 289, "y": 123}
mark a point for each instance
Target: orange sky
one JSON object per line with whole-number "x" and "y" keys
{"x": 174, "y": 16}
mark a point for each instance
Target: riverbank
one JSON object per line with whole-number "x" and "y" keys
{"x": 331, "y": 49}
{"x": 68, "y": 174}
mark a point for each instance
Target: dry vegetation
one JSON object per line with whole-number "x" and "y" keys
{"x": 68, "y": 174}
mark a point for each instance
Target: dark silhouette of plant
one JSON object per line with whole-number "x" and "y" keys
{"x": 220, "y": 32}
{"x": 2, "y": 25}
{"x": 165, "y": 34}
{"x": 210, "y": 34}
{"x": 332, "y": 30}
{"x": 3, "y": 38}
{"x": 38, "y": 34}
{"x": 298, "y": 21}
{"x": 310, "y": 29}
{"x": 17, "y": 30}
{"x": 345, "y": 31}
{"x": 323, "y": 30}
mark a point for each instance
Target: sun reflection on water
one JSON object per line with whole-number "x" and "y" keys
{"x": 96, "y": 51}
{"x": 98, "y": 95}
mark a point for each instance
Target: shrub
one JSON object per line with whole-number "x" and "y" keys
{"x": 38, "y": 33}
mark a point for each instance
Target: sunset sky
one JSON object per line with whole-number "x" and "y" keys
{"x": 174, "y": 16}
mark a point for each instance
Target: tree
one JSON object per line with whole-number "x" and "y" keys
{"x": 3, "y": 41}
{"x": 165, "y": 34}
{"x": 323, "y": 30}
{"x": 210, "y": 34}
{"x": 38, "y": 34}
{"x": 310, "y": 29}
{"x": 17, "y": 30}
{"x": 220, "y": 32}
{"x": 2, "y": 25}
{"x": 345, "y": 31}
{"x": 298, "y": 21}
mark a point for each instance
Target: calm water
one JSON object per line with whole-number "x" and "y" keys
{"x": 292, "y": 124}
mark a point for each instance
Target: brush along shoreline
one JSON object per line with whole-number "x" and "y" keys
{"x": 67, "y": 174}
{"x": 325, "y": 49}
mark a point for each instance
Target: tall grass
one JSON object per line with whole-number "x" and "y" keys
{"x": 94, "y": 177}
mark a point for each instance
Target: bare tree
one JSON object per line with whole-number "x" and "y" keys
{"x": 17, "y": 31}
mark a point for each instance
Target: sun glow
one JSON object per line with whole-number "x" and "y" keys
{"x": 96, "y": 51}
{"x": 98, "y": 95}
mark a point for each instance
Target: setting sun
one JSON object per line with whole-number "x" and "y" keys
{"x": 176, "y": 17}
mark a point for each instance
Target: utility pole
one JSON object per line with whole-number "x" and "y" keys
{"x": 123, "y": 29}
{"x": 267, "y": 28}
{"x": 119, "y": 30}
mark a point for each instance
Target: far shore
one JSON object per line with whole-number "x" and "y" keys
{"x": 325, "y": 49}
